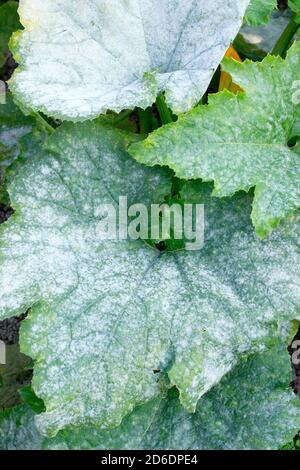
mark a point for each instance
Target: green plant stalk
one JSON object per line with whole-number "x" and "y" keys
{"x": 145, "y": 120}
{"x": 282, "y": 45}
{"x": 44, "y": 123}
{"x": 122, "y": 116}
{"x": 164, "y": 112}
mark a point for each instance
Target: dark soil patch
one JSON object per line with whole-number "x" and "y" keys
{"x": 295, "y": 383}
{"x": 9, "y": 68}
{"x": 282, "y": 4}
{"x": 5, "y": 213}
{"x": 9, "y": 329}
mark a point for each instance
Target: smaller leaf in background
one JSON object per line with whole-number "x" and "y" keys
{"x": 18, "y": 431}
{"x": 29, "y": 397}
{"x": 259, "y": 11}
{"x": 9, "y": 22}
{"x": 226, "y": 79}
{"x": 13, "y": 126}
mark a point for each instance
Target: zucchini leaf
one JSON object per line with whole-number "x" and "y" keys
{"x": 107, "y": 314}
{"x": 18, "y": 431}
{"x": 259, "y": 11}
{"x": 113, "y": 54}
{"x": 252, "y": 408}
{"x": 241, "y": 141}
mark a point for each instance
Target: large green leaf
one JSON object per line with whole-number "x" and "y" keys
{"x": 9, "y": 22}
{"x": 18, "y": 431}
{"x": 241, "y": 141}
{"x": 251, "y": 408}
{"x": 114, "y": 54}
{"x": 115, "y": 311}
{"x": 259, "y": 11}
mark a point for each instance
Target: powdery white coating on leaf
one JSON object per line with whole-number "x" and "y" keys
{"x": 77, "y": 62}
{"x": 240, "y": 141}
{"x": 113, "y": 312}
{"x": 251, "y": 409}
{"x": 18, "y": 430}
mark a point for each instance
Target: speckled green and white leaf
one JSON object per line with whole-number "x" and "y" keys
{"x": 259, "y": 11}
{"x": 18, "y": 430}
{"x": 114, "y": 311}
{"x": 9, "y": 22}
{"x": 13, "y": 126}
{"x": 252, "y": 408}
{"x": 115, "y": 54}
{"x": 240, "y": 141}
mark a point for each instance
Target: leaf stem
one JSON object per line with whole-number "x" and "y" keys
{"x": 145, "y": 120}
{"x": 164, "y": 112}
{"x": 282, "y": 45}
{"x": 44, "y": 123}
{"x": 122, "y": 116}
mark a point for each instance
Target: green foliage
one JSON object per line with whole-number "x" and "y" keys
{"x": 258, "y": 12}
{"x": 9, "y": 22}
{"x": 160, "y": 46}
{"x": 241, "y": 141}
{"x": 142, "y": 344}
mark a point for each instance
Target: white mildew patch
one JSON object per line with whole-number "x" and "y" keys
{"x": 79, "y": 59}
{"x": 251, "y": 408}
{"x": 112, "y": 312}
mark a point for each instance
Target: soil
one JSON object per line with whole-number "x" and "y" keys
{"x": 9, "y": 329}
{"x": 5, "y": 213}
{"x": 295, "y": 383}
{"x": 282, "y": 4}
{"x": 9, "y": 68}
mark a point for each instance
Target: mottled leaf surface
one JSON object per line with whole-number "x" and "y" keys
{"x": 75, "y": 63}
{"x": 241, "y": 141}
{"x": 112, "y": 312}
{"x": 18, "y": 430}
{"x": 252, "y": 408}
